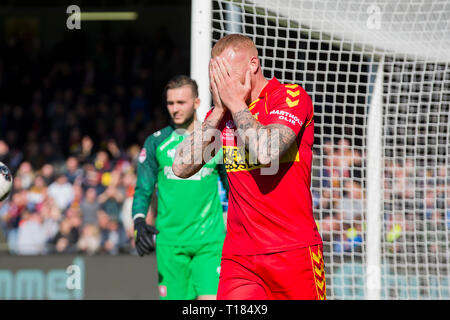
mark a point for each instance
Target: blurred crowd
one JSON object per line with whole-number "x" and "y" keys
{"x": 416, "y": 212}
{"x": 72, "y": 120}
{"x": 82, "y": 206}
{"x": 338, "y": 195}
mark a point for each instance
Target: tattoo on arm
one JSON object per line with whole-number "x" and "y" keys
{"x": 267, "y": 143}
{"x": 189, "y": 157}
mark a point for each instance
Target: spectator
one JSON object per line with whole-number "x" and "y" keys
{"x": 129, "y": 181}
{"x": 12, "y": 218}
{"x": 62, "y": 192}
{"x": 112, "y": 243}
{"x": 133, "y": 153}
{"x": 91, "y": 178}
{"x": 78, "y": 195}
{"x": 66, "y": 239}
{"x": 38, "y": 192}
{"x": 51, "y": 216}
{"x": 89, "y": 207}
{"x": 352, "y": 205}
{"x": 74, "y": 216}
{"x": 111, "y": 200}
{"x": 103, "y": 224}
{"x": 113, "y": 150}
{"x": 89, "y": 242}
{"x": 26, "y": 174}
{"x": 85, "y": 153}
{"x": 102, "y": 162}
{"x": 31, "y": 236}
{"x": 331, "y": 226}
{"x": 48, "y": 173}
{"x": 72, "y": 170}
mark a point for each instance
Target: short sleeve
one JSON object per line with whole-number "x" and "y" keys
{"x": 291, "y": 106}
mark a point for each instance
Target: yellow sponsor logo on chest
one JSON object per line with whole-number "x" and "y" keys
{"x": 238, "y": 159}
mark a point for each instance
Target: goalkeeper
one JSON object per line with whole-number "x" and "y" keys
{"x": 189, "y": 222}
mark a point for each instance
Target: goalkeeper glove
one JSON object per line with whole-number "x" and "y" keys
{"x": 144, "y": 236}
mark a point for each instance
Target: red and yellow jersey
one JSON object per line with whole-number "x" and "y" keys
{"x": 271, "y": 213}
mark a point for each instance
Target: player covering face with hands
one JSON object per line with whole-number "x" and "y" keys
{"x": 272, "y": 248}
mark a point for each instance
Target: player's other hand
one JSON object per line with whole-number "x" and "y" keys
{"x": 144, "y": 236}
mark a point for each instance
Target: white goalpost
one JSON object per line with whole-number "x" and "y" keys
{"x": 379, "y": 76}
{"x": 373, "y": 194}
{"x": 201, "y": 37}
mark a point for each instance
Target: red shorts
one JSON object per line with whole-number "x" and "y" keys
{"x": 295, "y": 275}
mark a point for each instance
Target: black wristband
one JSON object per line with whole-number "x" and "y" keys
{"x": 139, "y": 222}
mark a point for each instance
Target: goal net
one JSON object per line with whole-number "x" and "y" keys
{"x": 379, "y": 76}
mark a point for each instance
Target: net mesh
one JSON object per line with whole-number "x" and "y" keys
{"x": 334, "y": 50}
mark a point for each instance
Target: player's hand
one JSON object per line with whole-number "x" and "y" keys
{"x": 214, "y": 91}
{"x": 144, "y": 236}
{"x": 231, "y": 91}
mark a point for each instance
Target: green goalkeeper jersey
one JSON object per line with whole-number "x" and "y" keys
{"x": 189, "y": 210}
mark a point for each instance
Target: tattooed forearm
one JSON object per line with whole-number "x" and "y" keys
{"x": 266, "y": 143}
{"x": 244, "y": 120}
{"x": 190, "y": 154}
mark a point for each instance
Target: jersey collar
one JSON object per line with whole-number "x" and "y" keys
{"x": 271, "y": 86}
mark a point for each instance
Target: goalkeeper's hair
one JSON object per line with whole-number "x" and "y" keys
{"x": 181, "y": 81}
{"x": 236, "y": 41}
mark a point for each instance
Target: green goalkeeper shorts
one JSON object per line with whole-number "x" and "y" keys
{"x": 186, "y": 272}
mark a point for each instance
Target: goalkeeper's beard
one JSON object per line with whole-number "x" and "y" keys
{"x": 187, "y": 123}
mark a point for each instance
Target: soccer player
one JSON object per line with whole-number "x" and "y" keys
{"x": 272, "y": 248}
{"x": 189, "y": 223}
